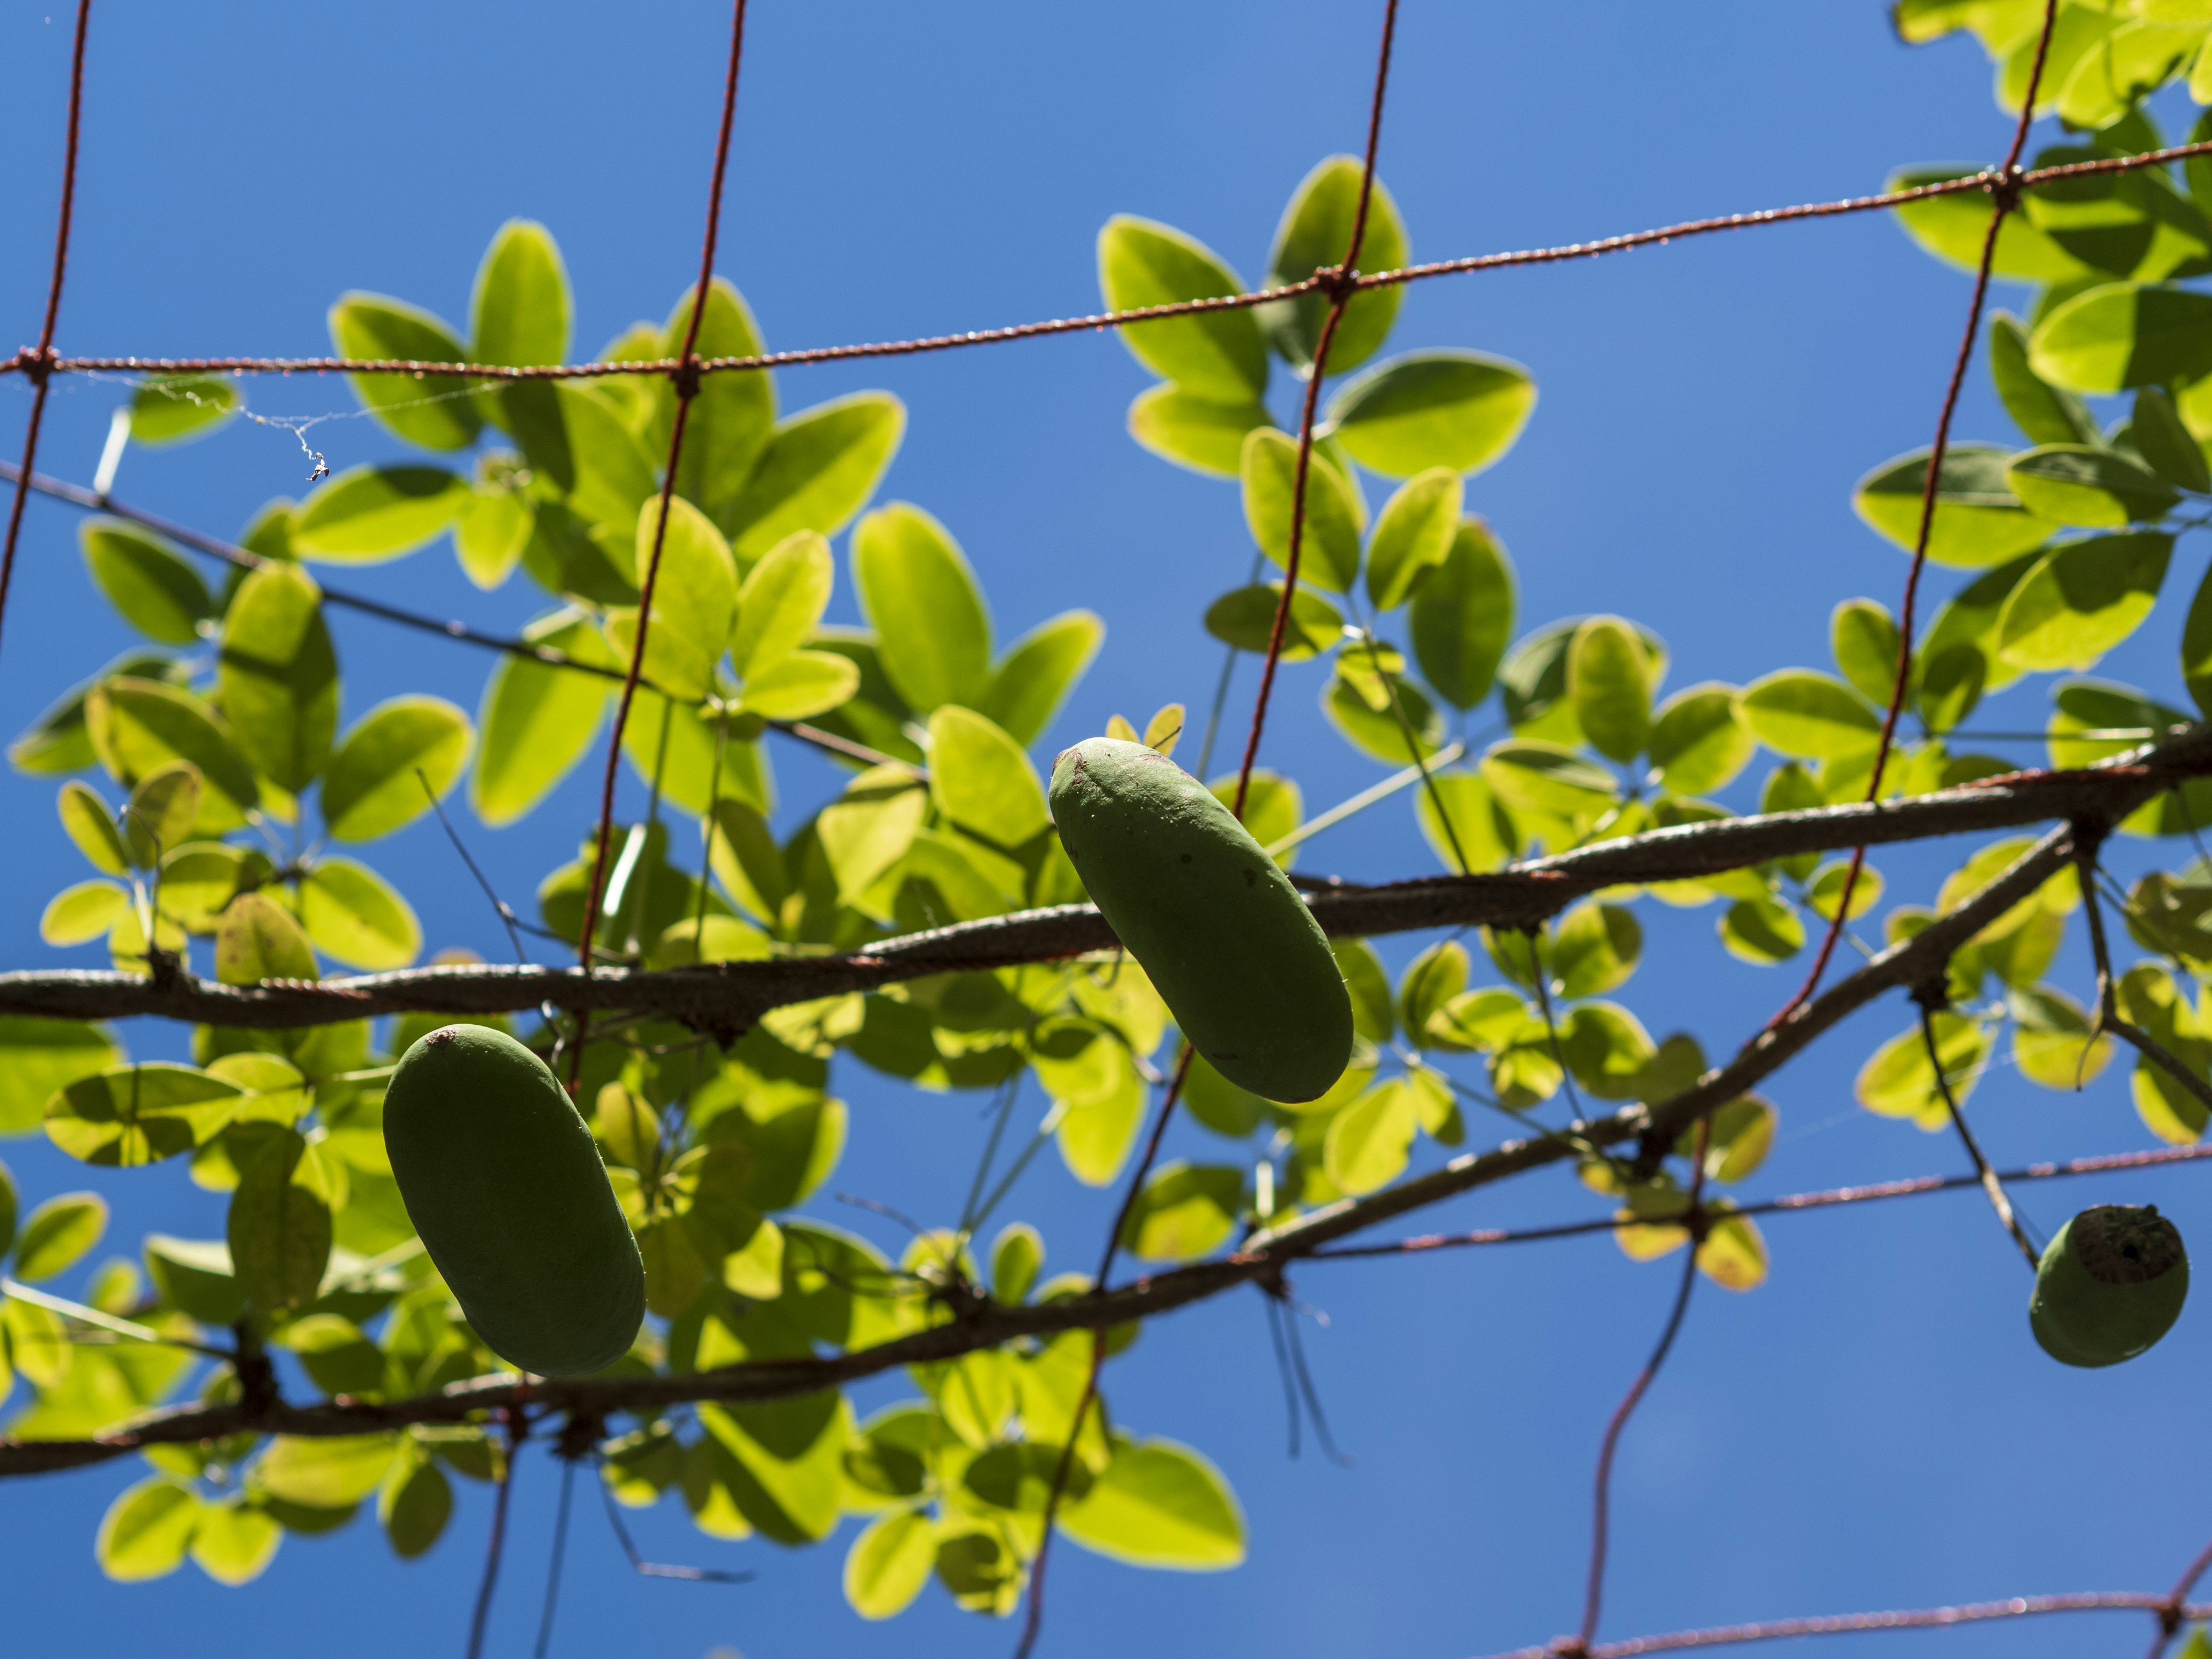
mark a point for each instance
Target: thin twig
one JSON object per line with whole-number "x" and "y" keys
{"x": 516, "y": 1429}
{"x": 1593, "y": 1593}
{"x": 508, "y": 918}
{"x": 2177, "y": 1602}
{"x": 1851, "y": 1624}
{"x": 38, "y": 362}
{"x": 685, "y": 377}
{"x": 1658, "y": 236}
{"x": 1912, "y": 1187}
{"x": 645, "y": 1569}
{"x": 1983, "y": 1173}
{"x": 1340, "y": 288}
{"x": 2088, "y": 841}
{"x": 553, "y": 1568}
{"x": 2004, "y": 189}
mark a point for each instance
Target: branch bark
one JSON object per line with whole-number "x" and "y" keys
{"x": 725, "y": 998}
{"x": 989, "y": 1325}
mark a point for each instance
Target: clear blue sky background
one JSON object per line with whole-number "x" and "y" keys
{"x": 1873, "y": 1428}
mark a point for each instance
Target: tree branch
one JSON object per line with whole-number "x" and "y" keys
{"x": 725, "y": 998}
{"x": 989, "y": 1325}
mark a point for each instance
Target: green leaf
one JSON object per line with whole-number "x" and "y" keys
{"x": 1197, "y": 432}
{"x": 574, "y": 435}
{"x": 1863, "y": 635}
{"x": 40, "y": 1056}
{"x": 234, "y": 1541}
{"x": 1594, "y": 950}
{"x": 158, "y": 818}
{"x": 1762, "y": 931}
{"x": 1316, "y": 233}
{"x": 168, "y": 409}
{"x": 59, "y": 1234}
{"x": 146, "y": 580}
{"x": 372, "y": 787}
{"x": 1545, "y": 777}
{"x": 1095, "y": 1137}
{"x": 369, "y": 514}
{"x": 2097, "y": 488}
{"x": 279, "y": 676}
{"x": 1606, "y": 1048}
{"x": 788, "y": 1462}
{"x": 819, "y": 469}
{"x": 1816, "y": 716}
{"x": 1978, "y": 521}
{"x": 1481, "y": 834}
{"x": 1217, "y": 354}
{"x": 1700, "y": 742}
{"x": 128, "y": 1115}
{"x": 1462, "y": 616}
{"x": 89, "y": 823}
{"x": 2162, "y": 438}
{"x": 1039, "y": 671}
{"x": 353, "y": 915}
{"x": 1360, "y": 706}
{"x": 1898, "y": 1081}
{"x": 1159, "y": 1504}
{"x": 85, "y": 912}
{"x": 1185, "y": 1211}
{"x": 2047, "y": 414}
{"x": 869, "y": 828}
{"x": 1329, "y": 541}
{"x": 1460, "y": 409}
{"x": 434, "y": 411}
{"x": 201, "y": 877}
{"x": 695, "y": 600}
{"x": 805, "y": 683}
{"x": 279, "y": 1230}
{"x": 1245, "y": 617}
{"x": 519, "y": 312}
{"x": 323, "y": 1472}
{"x": 890, "y": 1562}
{"x": 2197, "y": 646}
{"x": 257, "y": 939}
{"x": 1369, "y": 1142}
{"x": 137, "y": 726}
{"x": 933, "y": 633}
{"x": 2125, "y": 335}
{"x": 1609, "y": 681}
{"x": 491, "y": 533}
{"x": 1414, "y": 535}
{"x": 414, "y": 1505}
{"x": 146, "y": 1531}
{"x": 981, "y": 779}
{"x": 783, "y": 597}
{"x": 2082, "y": 600}
{"x": 734, "y": 418}
{"x": 537, "y": 720}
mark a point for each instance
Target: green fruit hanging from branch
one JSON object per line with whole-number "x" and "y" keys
{"x": 1225, "y": 938}
{"x": 501, "y": 1179}
{"x": 2110, "y": 1285}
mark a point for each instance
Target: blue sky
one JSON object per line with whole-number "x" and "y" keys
{"x": 1873, "y": 1428}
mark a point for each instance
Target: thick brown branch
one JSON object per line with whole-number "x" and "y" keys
{"x": 1904, "y": 965}
{"x": 727, "y": 998}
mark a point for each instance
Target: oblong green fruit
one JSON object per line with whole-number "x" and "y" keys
{"x": 1224, "y": 936}
{"x": 2110, "y": 1284}
{"x": 501, "y": 1179}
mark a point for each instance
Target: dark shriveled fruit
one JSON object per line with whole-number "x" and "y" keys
{"x": 1225, "y": 938}
{"x": 501, "y": 1179}
{"x": 2110, "y": 1284}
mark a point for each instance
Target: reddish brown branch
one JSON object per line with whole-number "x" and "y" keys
{"x": 685, "y": 377}
{"x": 422, "y": 368}
{"x": 38, "y": 362}
{"x": 1849, "y": 1624}
{"x": 1263, "y": 1256}
{"x": 2004, "y": 196}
